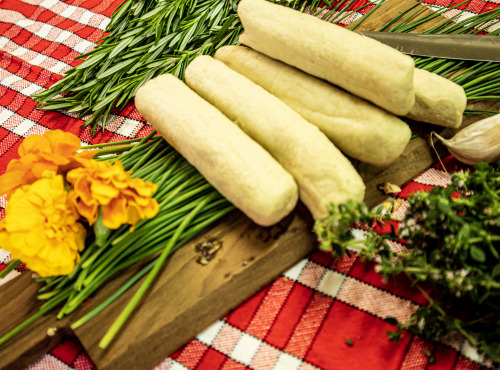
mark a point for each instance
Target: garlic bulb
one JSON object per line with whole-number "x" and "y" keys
{"x": 478, "y": 142}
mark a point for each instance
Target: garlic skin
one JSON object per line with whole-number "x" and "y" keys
{"x": 478, "y": 142}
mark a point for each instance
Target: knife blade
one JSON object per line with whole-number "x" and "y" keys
{"x": 450, "y": 46}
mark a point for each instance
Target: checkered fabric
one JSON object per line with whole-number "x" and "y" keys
{"x": 307, "y": 318}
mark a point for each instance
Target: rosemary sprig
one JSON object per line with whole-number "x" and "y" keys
{"x": 148, "y": 38}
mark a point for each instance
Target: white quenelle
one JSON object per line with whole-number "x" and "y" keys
{"x": 323, "y": 174}
{"x": 358, "y": 64}
{"x": 239, "y": 168}
{"x": 358, "y": 128}
{"x": 437, "y": 100}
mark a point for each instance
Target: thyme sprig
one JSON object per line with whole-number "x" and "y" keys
{"x": 453, "y": 240}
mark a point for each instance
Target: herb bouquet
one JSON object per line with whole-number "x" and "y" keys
{"x": 452, "y": 245}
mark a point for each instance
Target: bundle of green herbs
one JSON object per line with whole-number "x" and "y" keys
{"x": 453, "y": 240}
{"x": 188, "y": 204}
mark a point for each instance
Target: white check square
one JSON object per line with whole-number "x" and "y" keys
{"x": 245, "y": 349}
{"x": 287, "y": 362}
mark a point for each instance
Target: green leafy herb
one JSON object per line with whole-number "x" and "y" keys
{"x": 453, "y": 240}
{"x": 146, "y": 38}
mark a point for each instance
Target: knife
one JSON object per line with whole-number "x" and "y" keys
{"x": 450, "y": 46}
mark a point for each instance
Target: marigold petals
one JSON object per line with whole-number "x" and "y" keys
{"x": 152, "y": 209}
{"x": 63, "y": 143}
{"x": 145, "y": 189}
{"x": 56, "y": 159}
{"x": 66, "y": 149}
{"x": 88, "y": 212}
{"x": 141, "y": 201}
{"x": 120, "y": 184}
{"x": 111, "y": 187}
{"x": 79, "y": 230}
{"x": 73, "y": 175}
{"x": 27, "y": 160}
{"x": 9, "y": 181}
{"x": 34, "y": 144}
{"x": 115, "y": 214}
{"x": 54, "y": 151}
{"x": 133, "y": 217}
{"x": 82, "y": 190}
{"x": 102, "y": 192}
{"x": 41, "y": 228}
{"x": 82, "y": 159}
{"x": 85, "y": 155}
{"x": 38, "y": 169}
{"x": 24, "y": 216}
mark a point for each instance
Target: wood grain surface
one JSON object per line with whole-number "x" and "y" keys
{"x": 187, "y": 297}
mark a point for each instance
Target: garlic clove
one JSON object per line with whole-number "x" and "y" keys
{"x": 478, "y": 142}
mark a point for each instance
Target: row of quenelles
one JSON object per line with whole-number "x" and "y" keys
{"x": 263, "y": 126}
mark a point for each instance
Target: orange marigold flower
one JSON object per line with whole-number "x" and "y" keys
{"x": 124, "y": 200}
{"x": 55, "y": 151}
{"x": 41, "y": 227}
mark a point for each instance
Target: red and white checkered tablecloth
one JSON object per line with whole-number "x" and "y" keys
{"x": 300, "y": 321}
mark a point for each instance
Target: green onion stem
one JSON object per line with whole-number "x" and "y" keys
{"x": 104, "y": 145}
{"x": 11, "y": 265}
{"x": 401, "y": 15}
{"x": 48, "y": 283}
{"x": 111, "y": 333}
{"x": 343, "y": 9}
{"x": 483, "y": 97}
{"x": 112, "y": 297}
{"x": 143, "y": 159}
{"x": 486, "y": 88}
{"x": 401, "y": 24}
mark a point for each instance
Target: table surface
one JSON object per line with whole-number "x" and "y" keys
{"x": 306, "y": 317}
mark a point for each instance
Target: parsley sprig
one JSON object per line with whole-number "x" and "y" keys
{"x": 453, "y": 240}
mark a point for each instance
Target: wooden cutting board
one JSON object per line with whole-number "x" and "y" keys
{"x": 187, "y": 297}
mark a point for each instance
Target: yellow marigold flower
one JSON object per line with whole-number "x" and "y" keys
{"x": 124, "y": 200}
{"x": 41, "y": 227}
{"x": 54, "y": 151}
